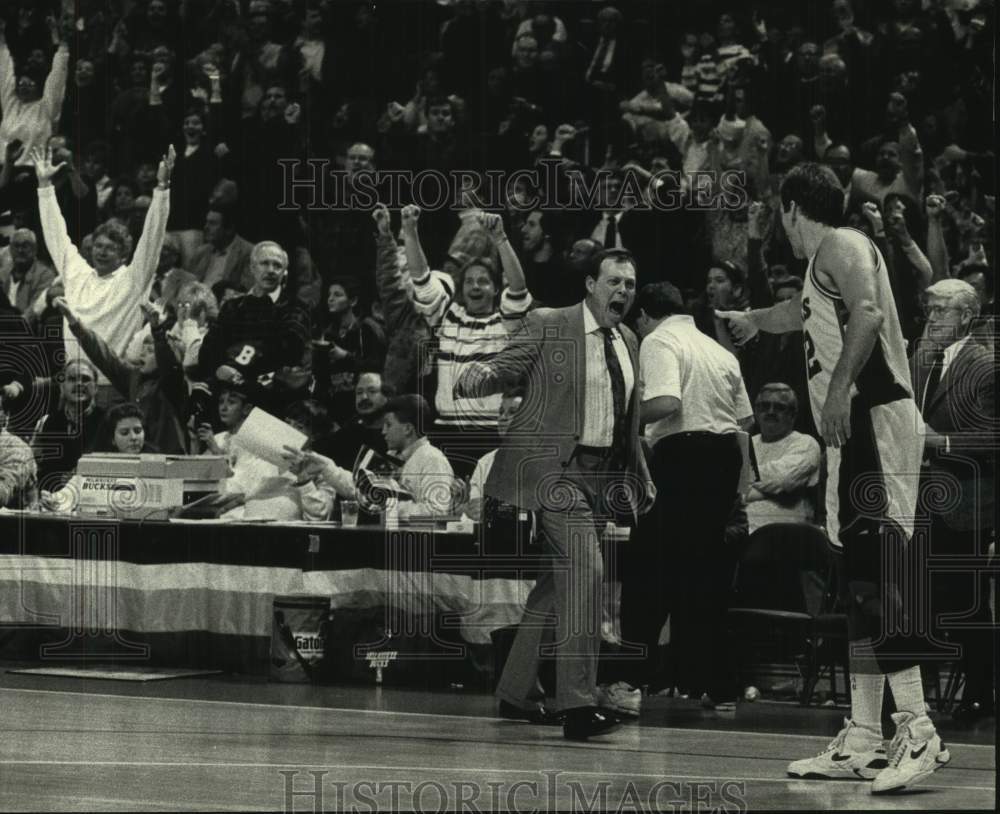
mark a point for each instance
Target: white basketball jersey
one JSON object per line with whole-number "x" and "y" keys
{"x": 875, "y": 475}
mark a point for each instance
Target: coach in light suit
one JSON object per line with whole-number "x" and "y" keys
{"x": 573, "y": 455}
{"x": 953, "y": 381}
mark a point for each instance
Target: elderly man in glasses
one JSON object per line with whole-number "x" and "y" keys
{"x": 788, "y": 462}
{"x": 955, "y": 387}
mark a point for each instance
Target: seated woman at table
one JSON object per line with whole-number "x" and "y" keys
{"x": 123, "y": 432}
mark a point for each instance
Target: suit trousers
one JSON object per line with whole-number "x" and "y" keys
{"x": 681, "y": 566}
{"x": 960, "y": 609}
{"x": 562, "y": 615}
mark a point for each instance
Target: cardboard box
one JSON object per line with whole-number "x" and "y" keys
{"x": 146, "y": 486}
{"x": 183, "y": 467}
{"x": 135, "y": 498}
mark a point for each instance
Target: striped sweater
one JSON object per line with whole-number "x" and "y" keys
{"x": 463, "y": 338}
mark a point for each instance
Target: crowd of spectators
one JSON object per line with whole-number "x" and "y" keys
{"x": 148, "y": 149}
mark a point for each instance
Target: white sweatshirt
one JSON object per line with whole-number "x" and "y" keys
{"x": 107, "y": 305}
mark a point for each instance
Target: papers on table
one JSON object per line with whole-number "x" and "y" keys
{"x": 266, "y": 437}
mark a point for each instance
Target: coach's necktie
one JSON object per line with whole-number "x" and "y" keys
{"x": 933, "y": 378}
{"x": 617, "y": 392}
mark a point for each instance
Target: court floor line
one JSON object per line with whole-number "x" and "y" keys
{"x": 263, "y": 705}
{"x": 518, "y": 744}
{"x": 86, "y": 803}
{"x": 447, "y": 769}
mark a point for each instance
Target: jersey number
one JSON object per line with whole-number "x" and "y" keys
{"x": 812, "y": 363}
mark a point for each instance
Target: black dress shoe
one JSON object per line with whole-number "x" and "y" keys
{"x": 539, "y": 715}
{"x": 584, "y": 722}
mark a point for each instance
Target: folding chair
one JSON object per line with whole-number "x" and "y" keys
{"x": 785, "y": 588}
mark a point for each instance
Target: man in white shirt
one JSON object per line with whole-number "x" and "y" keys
{"x": 787, "y": 462}
{"x": 106, "y": 296}
{"x": 426, "y": 473}
{"x": 694, "y": 404}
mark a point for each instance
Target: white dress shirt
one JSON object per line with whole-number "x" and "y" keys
{"x": 477, "y": 483}
{"x": 950, "y": 353}
{"x": 216, "y": 271}
{"x": 599, "y": 400}
{"x": 676, "y": 359}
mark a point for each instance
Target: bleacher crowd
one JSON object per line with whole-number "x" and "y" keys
{"x": 155, "y": 285}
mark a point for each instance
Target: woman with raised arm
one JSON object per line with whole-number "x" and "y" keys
{"x": 31, "y": 112}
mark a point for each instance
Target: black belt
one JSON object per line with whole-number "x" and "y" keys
{"x": 704, "y": 434}
{"x": 599, "y": 452}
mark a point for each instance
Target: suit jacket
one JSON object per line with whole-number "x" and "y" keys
{"x": 549, "y": 356}
{"x": 963, "y": 408}
{"x": 237, "y": 270}
{"x": 37, "y": 280}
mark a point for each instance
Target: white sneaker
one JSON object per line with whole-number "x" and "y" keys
{"x": 856, "y": 754}
{"x": 916, "y": 752}
{"x": 621, "y": 698}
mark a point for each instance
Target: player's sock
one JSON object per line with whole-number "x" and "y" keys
{"x": 908, "y": 691}
{"x": 867, "y": 690}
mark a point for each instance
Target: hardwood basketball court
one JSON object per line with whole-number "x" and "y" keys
{"x": 228, "y": 744}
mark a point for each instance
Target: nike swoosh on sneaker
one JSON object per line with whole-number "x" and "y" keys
{"x": 915, "y": 754}
{"x": 836, "y": 756}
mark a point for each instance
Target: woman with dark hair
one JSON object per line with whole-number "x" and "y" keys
{"x": 195, "y": 176}
{"x": 120, "y": 202}
{"x": 122, "y": 432}
{"x": 348, "y": 340}
{"x": 550, "y": 282}
{"x": 725, "y": 290}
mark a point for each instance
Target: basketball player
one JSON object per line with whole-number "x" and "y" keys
{"x": 864, "y": 408}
